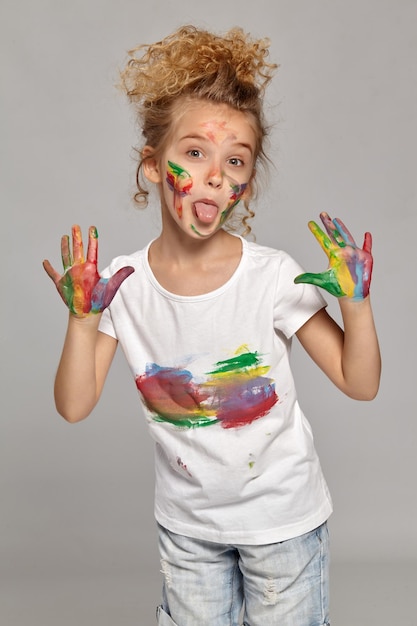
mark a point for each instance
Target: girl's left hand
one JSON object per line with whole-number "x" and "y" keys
{"x": 350, "y": 267}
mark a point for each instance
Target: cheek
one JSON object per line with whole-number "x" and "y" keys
{"x": 179, "y": 182}
{"x": 236, "y": 193}
{"x": 178, "y": 179}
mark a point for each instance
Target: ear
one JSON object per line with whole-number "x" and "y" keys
{"x": 150, "y": 165}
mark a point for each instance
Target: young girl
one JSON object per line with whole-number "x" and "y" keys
{"x": 206, "y": 319}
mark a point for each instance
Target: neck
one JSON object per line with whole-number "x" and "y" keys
{"x": 177, "y": 247}
{"x": 193, "y": 267}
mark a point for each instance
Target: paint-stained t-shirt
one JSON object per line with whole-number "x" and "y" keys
{"x": 234, "y": 454}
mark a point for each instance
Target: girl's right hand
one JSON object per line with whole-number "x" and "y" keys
{"x": 80, "y": 286}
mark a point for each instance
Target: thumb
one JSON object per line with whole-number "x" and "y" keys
{"x": 106, "y": 289}
{"x": 326, "y": 280}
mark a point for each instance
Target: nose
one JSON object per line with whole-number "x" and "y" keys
{"x": 215, "y": 178}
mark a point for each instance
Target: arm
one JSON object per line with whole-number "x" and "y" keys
{"x": 87, "y": 353}
{"x": 85, "y": 361}
{"x": 350, "y": 358}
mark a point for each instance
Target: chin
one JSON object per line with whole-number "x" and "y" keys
{"x": 205, "y": 233}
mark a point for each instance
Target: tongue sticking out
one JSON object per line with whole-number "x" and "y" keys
{"x": 206, "y": 213}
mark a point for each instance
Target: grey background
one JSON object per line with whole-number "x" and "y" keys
{"x": 77, "y": 537}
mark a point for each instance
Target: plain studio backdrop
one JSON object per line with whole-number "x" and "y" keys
{"x": 77, "y": 536}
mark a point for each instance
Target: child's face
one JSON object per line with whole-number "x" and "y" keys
{"x": 206, "y": 168}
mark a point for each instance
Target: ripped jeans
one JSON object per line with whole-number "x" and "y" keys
{"x": 211, "y": 584}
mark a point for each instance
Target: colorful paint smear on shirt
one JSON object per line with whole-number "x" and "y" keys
{"x": 235, "y": 392}
{"x": 172, "y": 396}
{"x": 180, "y": 182}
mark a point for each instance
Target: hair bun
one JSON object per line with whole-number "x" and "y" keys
{"x": 188, "y": 56}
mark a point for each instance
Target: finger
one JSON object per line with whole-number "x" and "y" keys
{"x": 347, "y": 237}
{"x": 66, "y": 252}
{"x": 331, "y": 227}
{"x": 324, "y": 241}
{"x": 52, "y": 273}
{"x": 92, "y": 245}
{"x": 367, "y": 243}
{"x": 77, "y": 245}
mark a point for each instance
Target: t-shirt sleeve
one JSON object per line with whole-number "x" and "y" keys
{"x": 294, "y": 304}
{"x": 106, "y": 325}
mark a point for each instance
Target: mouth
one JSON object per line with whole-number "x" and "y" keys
{"x": 206, "y": 211}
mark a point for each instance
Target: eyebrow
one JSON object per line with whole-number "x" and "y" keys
{"x": 200, "y": 137}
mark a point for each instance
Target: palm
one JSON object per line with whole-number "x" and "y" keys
{"x": 350, "y": 267}
{"x": 80, "y": 286}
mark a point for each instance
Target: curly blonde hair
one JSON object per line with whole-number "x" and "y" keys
{"x": 193, "y": 64}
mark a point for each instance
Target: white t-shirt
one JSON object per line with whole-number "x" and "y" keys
{"x": 235, "y": 458}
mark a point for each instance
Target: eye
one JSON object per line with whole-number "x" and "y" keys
{"x": 194, "y": 153}
{"x": 236, "y": 162}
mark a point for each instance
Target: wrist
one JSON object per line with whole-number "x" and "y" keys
{"x": 354, "y": 304}
{"x": 90, "y": 320}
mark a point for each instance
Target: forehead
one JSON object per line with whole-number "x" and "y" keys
{"x": 218, "y": 123}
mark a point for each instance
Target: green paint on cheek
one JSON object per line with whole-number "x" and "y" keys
{"x": 177, "y": 170}
{"x": 237, "y": 192}
{"x": 178, "y": 179}
{"x": 180, "y": 182}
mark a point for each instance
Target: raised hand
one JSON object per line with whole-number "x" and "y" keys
{"x": 80, "y": 286}
{"x": 350, "y": 267}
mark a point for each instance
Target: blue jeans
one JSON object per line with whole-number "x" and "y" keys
{"x": 211, "y": 584}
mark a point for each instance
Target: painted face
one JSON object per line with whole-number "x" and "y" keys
{"x": 208, "y": 166}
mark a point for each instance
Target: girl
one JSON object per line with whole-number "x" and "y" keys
{"x": 206, "y": 319}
